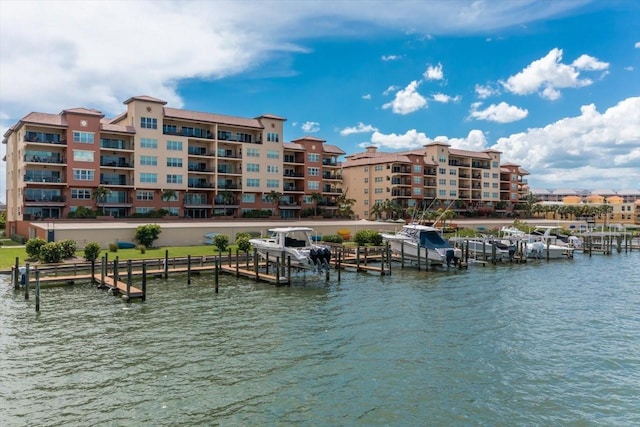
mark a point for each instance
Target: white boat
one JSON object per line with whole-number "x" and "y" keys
{"x": 483, "y": 247}
{"x": 539, "y": 244}
{"x": 295, "y": 243}
{"x": 415, "y": 241}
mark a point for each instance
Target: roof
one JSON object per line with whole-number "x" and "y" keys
{"x": 44, "y": 119}
{"x": 467, "y": 153}
{"x": 197, "y": 116}
{"x": 271, "y": 116}
{"x": 363, "y": 159}
{"x": 308, "y": 138}
{"x": 108, "y": 127}
{"x": 603, "y": 192}
{"x": 83, "y": 111}
{"x": 145, "y": 98}
{"x": 292, "y": 146}
{"x": 334, "y": 149}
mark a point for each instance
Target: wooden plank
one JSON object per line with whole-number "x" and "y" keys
{"x": 121, "y": 287}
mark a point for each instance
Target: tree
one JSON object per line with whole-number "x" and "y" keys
{"x": 168, "y": 196}
{"x": 221, "y": 242}
{"x": 275, "y": 197}
{"x": 147, "y": 234}
{"x": 100, "y": 195}
{"x": 3, "y": 219}
{"x": 376, "y": 210}
{"x": 316, "y": 198}
{"x": 528, "y": 202}
{"x": 345, "y": 205}
{"x": 92, "y": 251}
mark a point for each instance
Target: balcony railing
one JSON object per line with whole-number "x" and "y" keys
{"x": 44, "y": 198}
{"x": 44, "y": 159}
{"x": 45, "y": 138}
{"x": 115, "y": 144}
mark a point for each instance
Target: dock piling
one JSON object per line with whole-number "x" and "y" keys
{"x": 144, "y": 281}
{"x": 37, "y": 290}
{"x": 26, "y": 282}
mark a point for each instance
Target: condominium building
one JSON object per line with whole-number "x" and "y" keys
{"x": 435, "y": 175}
{"x": 193, "y": 164}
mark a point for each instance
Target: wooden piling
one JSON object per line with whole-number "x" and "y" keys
{"x": 37, "y": 290}
{"x": 188, "y": 269}
{"x": 418, "y": 252}
{"x": 216, "y": 274}
{"x": 255, "y": 263}
{"x": 548, "y": 249}
{"x": 289, "y": 270}
{"x": 238, "y": 264}
{"x": 26, "y": 282}
{"x": 166, "y": 263}
{"x": 144, "y": 281}
{"x": 93, "y": 271}
{"x": 339, "y": 261}
{"x": 116, "y": 270}
{"x": 16, "y": 275}
{"x": 103, "y": 269}
{"x": 401, "y": 254}
{"x": 129, "y": 278}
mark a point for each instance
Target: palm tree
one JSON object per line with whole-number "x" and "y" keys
{"x": 275, "y": 197}
{"x": 376, "y": 210}
{"x": 167, "y": 196}
{"x": 345, "y": 205}
{"x": 100, "y": 194}
{"x": 528, "y": 202}
{"x": 316, "y": 198}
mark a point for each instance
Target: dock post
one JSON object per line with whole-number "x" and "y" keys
{"x": 144, "y": 281}
{"x": 466, "y": 253}
{"x": 229, "y": 257}
{"x": 116, "y": 270}
{"x": 216, "y": 274}
{"x": 93, "y": 271}
{"x": 358, "y": 258}
{"x": 106, "y": 259}
{"x": 484, "y": 250}
{"x": 289, "y": 270}
{"x": 339, "y": 263}
{"x": 255, "y": 263}
{"x": 366, "y": 255}
{"x": 277, "y": 271}
{"x": 103, "y": 269}
{"x": 493, "y": 254}
{"x": 26, "y": 282}
{"x": 418, "y": 252}
{"x": 548, "y": 248}
{"x": 128, "y": 280}
{"x": 237, "y": 263}
{"x": 37, "y": 290}
{"x": 267, "y": 263}
{"x": 246, "y": 258}
{"x": 189, "y": 269}
{"x": 401, "y": 254}
{"x": 388, "y": 251}
{"x": 16, "y": 275}
{"x": 166, "y": 264}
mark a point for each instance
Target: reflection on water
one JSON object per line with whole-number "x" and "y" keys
{"x": 541, "y": 343}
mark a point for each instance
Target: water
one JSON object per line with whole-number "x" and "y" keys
{"x": 537, "y": 344}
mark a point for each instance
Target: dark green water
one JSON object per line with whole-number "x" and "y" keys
{"x": 537, "y": 344}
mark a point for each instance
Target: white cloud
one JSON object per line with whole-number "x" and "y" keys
{"x": 391, "y": 57}
{"x": 590, "y": 150}
{"x": 637, "y": 45}
{"x": 310, "y": 127}
{"x": 629, "y": 68}
{"x": 390, "y": 89}
{"x": 501, "y": 113}
{"x": 445, "y": 99}
{"x": 366, "y": 96}
{"x": 411, "y": 139}
{"x": 361, "y": 128}
{"x": 484, "y": 92}
{"x": 407, "y": 100}
{"x": 475, "y": 141}
{"x": 548, "y": 74}
{"x": 434, "y": 72}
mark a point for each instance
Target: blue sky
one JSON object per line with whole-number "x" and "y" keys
{"x": 554, "y": 85}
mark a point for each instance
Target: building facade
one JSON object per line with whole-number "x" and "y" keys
{"x": 151, "y": 157}
{"x": 433, "y": 176}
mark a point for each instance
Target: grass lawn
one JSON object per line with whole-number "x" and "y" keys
{"x": 8, "y": 254}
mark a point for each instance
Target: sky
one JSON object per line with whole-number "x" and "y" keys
{"x": 553, "y": 85}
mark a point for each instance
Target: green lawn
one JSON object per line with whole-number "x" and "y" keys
{"x": 8, "y": 254}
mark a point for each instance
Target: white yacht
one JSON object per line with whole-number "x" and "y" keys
{"x": 539, "y": 244}
{"x": 295, "y": 243}
{"x": 415, "y": 241}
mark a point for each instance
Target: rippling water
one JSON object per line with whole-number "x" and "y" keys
{"x": 535, "y": 344}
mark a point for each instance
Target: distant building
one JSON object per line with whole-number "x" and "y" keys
{"x": 433, "y": 176}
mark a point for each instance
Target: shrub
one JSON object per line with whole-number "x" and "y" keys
{"x": 371, "y": 237}
{"x": 147, "y": 234}
{"x": 113, "y": 247}
{"x": 242, "y": 240}
{"x": 18, "y": 239}
{"x": 51, "y": 252}
{"x": 333, "y": 238}
{"x": 92, "y": 251}
{"x": 68, "y": 248}
{"x": 221, "y": 242}
{"x": 33, "y": 247}
{"x": 142, "y": 249}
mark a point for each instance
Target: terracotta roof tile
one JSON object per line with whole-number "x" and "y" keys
{"x": 145, "y": 98}
{"x": 175, "y": 113}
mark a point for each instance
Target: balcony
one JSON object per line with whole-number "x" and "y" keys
{"x": 49, "y": 158}
{"x": 199, "y": 151}
{"x": 43, "y": 197}
{"x": 332, "y": 190}
{"x": 113, "y": 180}
{"x": 44, "y": 138}
{"x": 328, "y": 175}
{"x": 120, "y": 163}
{"x": 229, "y": 186}
{"x": 115, "y": 144}
{"x": 293, "y": 159}
{"x": 227, "y": 170}
{"x": 42, "y": 178}
{"x": 199, "y": 167}
{"x": 293, "y": 188}
{"x": 186, "y": 131}
{"x": 200, "y": 184}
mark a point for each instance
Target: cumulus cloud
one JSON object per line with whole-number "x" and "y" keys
{"x": 407, "y": 100}
{"x": 548, "y": 75}
{"x": 637, "y": 45}
{"x": 391, "y": 57}
{"x": 366, "y": 96}
{"x": 390, "y": 89}
{"x": 628, "y": 68}
{"x": 407, "y": 141}
{"x": 445, "y": 99}
{"x": 360, "y": 128}
{"x": 434, "y": 72}
{"x": 500, "y": 113}
{"x": 474, "y": 141}
{"x": 592, "y": 149}
{"x": 310, "y": 127}
{"x": 484, "y": 92}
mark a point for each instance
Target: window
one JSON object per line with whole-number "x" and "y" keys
{"x": 253, "y": 182}
{"x": 417, "y": 180}
{"x": 417, "y": 168}
{"x": 366, "y": 168}
{"x": 495, "y": 185}
{"x": 83, "y": 174}
{"x": 273, "y": 154}
{"x": 148, "y": 123}
{"x": 485, "y": 185}
{"x": 442, "y": 181}
{"x": 495, "y": 176}
{"x": 366, "y": 180}
{"x": 174, "y": 162}
{"x": 453, "y": 193}
{"x": 313, "y": 171}
{"x": 442, "y": 158}
{"x": 253, "y": 167}
{"x": 366, "y": 202}
{"x": 486, "y": 174}
{"x": 253, "y": 152}
{"x": 144, "y": 210}
{"x": 314, "y": 185}
{"x": 148, "y": 161}
{"x": 378, "y": 179}
{"x": 174, "y": 179}
{"x": 495, "y": 164}
{"x": 514, "y": 196}
{"x": 453, "y": 172}
{"x": 81, "y": 194}
{"x": 378, "y": 168}
{"x": 273, "y": 183}
{"x": 378, "y": 190}
{"x": 148, "y": 143}
{"x": 452, "y": 182}
{"x": 313, "y": 157}
{"x": 149, "y": 177}
{"x": 144, "y": 195}
{"x": 248, "y": 198}
{"x": 366, "y": 191}
{"x": 174, "y": 145}
{"x": 494, "y": 195}
{"x": 442, "y": 192}
{"x": 442, "y": 171}
{"x": 273, "y": 137}
{"x": 83, "y": 137}
{"x": 82, "y": 156}
{"x": 273, "y": 169}
{"x": 485, "y": 195}
{"x": 417, "y": 191}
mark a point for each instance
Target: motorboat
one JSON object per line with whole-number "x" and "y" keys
{"x": 486, "y": 247}
{"x": 296, "y": 244}
{"x": 417, "y": 241}
{"x": 538, "y": 244}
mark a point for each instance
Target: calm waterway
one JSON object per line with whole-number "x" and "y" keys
{"x": 538, "y": 344}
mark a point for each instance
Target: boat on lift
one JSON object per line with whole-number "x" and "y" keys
{"x": 296, "y": 244}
